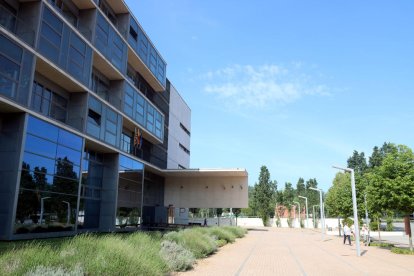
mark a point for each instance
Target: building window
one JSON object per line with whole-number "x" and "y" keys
{"x": 185, "y": 129}
{"x": 67, "y": 11}
{"x": 49, "y": 103}
{"x": 106, "y": 9}
{"x": 126, "y": 142}
{"x": 100, "y": 85}
{"x": 95, "y": 118}
{"x": 184, "y": 149}
{"x": 49, "y": 179}
{"x": 15, "y": 71}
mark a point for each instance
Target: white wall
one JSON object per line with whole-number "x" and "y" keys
{"x": 206, "y": 192}
{"x": 179, "y": 113}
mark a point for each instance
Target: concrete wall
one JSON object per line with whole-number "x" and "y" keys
{"x": 206, "y": 192}
{"x": 179, "y": 113}
{"x": 11, "y": 137}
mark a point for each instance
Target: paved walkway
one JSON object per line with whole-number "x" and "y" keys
{"x": 276, "y": 251}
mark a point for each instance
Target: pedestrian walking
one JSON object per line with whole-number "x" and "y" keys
{"x": 347, "y": 233}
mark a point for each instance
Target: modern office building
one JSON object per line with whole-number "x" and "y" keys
{"x": 93, "y": 136}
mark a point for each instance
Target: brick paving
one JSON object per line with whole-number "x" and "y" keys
{"x": 276, "y": 251}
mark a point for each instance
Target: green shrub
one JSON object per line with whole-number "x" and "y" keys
{"x": 196, "y": 240}
{"x": 222, "y": 233}
{"x": 55, "y": 271}
{"x": 237, "y": 231}
{"x": 390, "y": 226}
{"x": 221, "y": 243}
{"x": 177, "y": 257}
{"x": 381, "y": 244}
{"x": 373, "y": 225}
{"x": 399, "y": 250}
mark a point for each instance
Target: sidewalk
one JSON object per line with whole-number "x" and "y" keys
{"x": 281, "y": 251}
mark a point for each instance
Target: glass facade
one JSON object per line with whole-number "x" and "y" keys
{"x": 130, "y": 191}
{"x": 103, "y": 122}
{"x": 16, "y": 67}
{"x": 91, "y": 190}
{"x": 139, "y": 109}
{"x": 110, "y": 44}
{"x": 146, "y": 51}
{"x": 49, "y": 183}
{"x": 49, "y": 103}
{"x": 64, "y": 47}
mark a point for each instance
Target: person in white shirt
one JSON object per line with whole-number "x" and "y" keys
{"x": 347, "y": 234}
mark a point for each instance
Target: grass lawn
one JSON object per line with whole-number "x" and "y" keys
{"x": 138, "y": 253}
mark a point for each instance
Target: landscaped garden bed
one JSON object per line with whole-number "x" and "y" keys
{"x": 138, "y": 253}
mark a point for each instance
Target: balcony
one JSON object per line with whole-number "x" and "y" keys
{"x": 24, "y": 27}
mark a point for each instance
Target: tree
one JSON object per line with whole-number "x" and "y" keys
{"x": 288, "y": 195}
{"x": 338, "y": 200}
{"x": 358, "y": 162}
{"x": 252, "y": 209}
{"x": 378, "y": 154}
{"x": 313, "y": 196}
{"x": 300, "y": 187}
{"x": 391, "y": 186}
{"x": 264, "y": 195}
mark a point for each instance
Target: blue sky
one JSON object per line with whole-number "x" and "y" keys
{"x": 293, "y": 85}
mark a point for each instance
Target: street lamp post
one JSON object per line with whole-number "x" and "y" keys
{"x": 306, "y": 206}
{"x": 354, "y": 202}
{"x": 298, "y": 211}
{"x": 313, "y": 216}
{"x": 322, "y": 211}
{"x": 68, "y": 211}
{"x": 294, "y": 213}
{"x": 42, "y": 207}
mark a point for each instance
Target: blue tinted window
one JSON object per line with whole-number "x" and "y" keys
{"x": 52, "y": 19}
{"x": 68, "y": 154}
{"x": 51, "y": 35}
{"x": 126, "y": 163}
{"x": 7, "y": 87}
{"x": 34, "y": 160}
{"x": 40, "y": 146}
{"x": 46, "y": 48}
{"x": 42, "y": 129}
{"x": 10, "y": 49}
{"x": 71, "y": 140}
{"x": 9, "y": 68}
{"x": 67, "y": 169}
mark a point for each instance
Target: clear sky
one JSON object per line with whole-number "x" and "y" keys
{"x": 293, "y": 85}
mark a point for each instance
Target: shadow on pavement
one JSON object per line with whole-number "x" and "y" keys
{"x": 256, "y": 229}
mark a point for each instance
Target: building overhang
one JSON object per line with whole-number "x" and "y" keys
{"x": 206, "y": 188}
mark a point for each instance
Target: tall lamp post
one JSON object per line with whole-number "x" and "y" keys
{"x": 68, "y": 212}
{"x": 294, "y": 213}
{"x": 306, "y": 206}
{"x": 313, "y": 216}
{"x": 298, "y": 211}
{"x": 42, "y": 207}
{"x": 322, "y": 211}
{"x": 354, "y": 202}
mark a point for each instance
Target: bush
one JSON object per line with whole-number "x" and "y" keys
{"x": 399, "y": 250}
{"x": 55, "y": 271}
{"x": 196, "y": 240}
{"x": 390, "y": 226}
{"x": 222, "y": 234}
{"x": 381, "y": 244}
{"x": 221, "y": 243}
{"x": 373, "y": 225}
{"x": 237, "y": 231}
{"x": 177, "y": 257}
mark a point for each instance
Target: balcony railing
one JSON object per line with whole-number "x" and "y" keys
{"x": 22, "y": 29}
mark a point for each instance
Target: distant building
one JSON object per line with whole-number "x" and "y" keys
{"x": 93, "y": 136}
